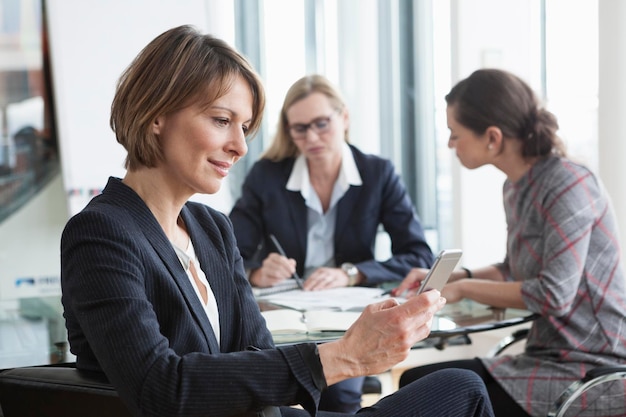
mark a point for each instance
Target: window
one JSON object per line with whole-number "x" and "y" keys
{"x": 553, "y": 45}
{"x": 28, "y": 149}
{"x": 378, "y": 53}
{"x": 571, "y": 74}
{"x": 394, "y": 62}
{"x": 32, "y": 209}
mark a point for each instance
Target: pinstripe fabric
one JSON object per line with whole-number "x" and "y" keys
{"x": 563, "y": 244}
{"x": 132, "y": 312}
{"x": 447, "y": 393}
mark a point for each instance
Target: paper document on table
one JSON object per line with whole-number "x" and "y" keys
{"x": 343, "y": 299}
{"x": 287, "y": 321}
{"x": 286, "y": 285}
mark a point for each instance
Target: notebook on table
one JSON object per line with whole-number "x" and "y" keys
{"x": 286, "y": 285}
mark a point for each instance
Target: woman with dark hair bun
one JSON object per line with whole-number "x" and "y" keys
{"x": 498, "y": 98}
{"x": 563, "y": 255}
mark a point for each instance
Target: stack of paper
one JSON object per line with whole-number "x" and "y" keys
{"x": 286, "y": 285}
{"x": 341, "y": 299}
{"x": 334, "y": 309}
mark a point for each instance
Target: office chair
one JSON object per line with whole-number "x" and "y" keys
{"x": 599, "y": 378}
{"x": 58, "y": 390}
{"x": 62, "y": 390}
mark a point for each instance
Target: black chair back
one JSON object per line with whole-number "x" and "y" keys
{"x": 58, "y": 390}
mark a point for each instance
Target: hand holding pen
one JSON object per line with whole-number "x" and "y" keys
{"x": 281, "y": 251}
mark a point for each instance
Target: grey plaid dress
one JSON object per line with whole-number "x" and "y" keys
{"x": 563, "y": 244}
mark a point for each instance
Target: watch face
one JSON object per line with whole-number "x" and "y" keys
{"x": 352, "y": 273}
{"x": 348, "y": 268}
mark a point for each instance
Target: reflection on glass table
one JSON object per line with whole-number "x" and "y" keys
{"x": 456, "y": 321}
{"x": 451, "y": 326}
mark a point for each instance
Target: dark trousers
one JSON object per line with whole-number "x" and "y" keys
{"x": 503, "y": 404}
{"x": 448, "y": 393}
{"x": 343, "y": 397}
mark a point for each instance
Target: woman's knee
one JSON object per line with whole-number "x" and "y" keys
{"x": 462, "y": 379}
{"x": 419, "y": 372}
{"x": 473, "y": 365}
{"x": 451, "y": 392}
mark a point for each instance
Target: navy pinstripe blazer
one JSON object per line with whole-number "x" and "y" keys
{"x": 132, "y": 313}
{"x": 266, "y": 206}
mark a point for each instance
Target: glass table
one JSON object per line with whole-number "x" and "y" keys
{"x": 32, "y": 331}
{"x": 455, "y": 322}
{"x": 451, "y": 326}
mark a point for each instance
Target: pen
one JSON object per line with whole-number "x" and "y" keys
{"x": 282, "y": 252}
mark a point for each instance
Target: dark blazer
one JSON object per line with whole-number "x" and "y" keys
{"x": 131, "y": 312}
{"x": 267, "y": 207}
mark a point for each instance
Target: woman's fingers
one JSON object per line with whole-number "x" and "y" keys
{"x": 386, "y": 331}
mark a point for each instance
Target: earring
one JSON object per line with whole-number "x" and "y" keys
{"x": 490, "y": 146}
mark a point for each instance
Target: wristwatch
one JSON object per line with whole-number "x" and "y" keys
{"x": 352, "y": 272}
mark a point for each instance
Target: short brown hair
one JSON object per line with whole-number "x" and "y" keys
{"x": 178, "y": 68}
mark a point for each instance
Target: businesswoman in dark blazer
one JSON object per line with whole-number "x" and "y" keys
{"x": 324, "y": 201}
{"x": 154, "y": 289}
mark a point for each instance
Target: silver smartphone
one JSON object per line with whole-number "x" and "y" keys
{"x": 441, "y": 270}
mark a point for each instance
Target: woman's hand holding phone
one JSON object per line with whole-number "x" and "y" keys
{"x": 419, "y": 280}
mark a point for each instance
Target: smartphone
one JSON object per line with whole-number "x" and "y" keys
{"x": 441, "y": 270}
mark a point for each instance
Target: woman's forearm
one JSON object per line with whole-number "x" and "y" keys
{"x": 484, "y": 291}
{"x": 490, "y": 273}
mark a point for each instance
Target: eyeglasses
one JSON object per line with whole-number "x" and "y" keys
{"x": 319, "y": 126}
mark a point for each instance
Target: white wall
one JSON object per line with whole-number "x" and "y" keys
{"x": 91, "y": 43}
{"x": 29, "y": 248}
{"x": 611, "y": 120}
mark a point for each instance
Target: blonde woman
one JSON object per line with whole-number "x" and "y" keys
{"x": 324, "y": 200}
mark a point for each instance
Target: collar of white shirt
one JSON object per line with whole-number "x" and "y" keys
{"x": 348, "y": 174}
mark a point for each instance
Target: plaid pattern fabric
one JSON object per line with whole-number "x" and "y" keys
{"x": 563, "y": 244}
